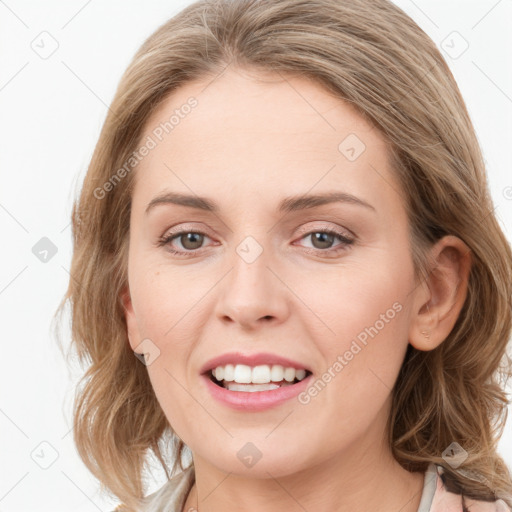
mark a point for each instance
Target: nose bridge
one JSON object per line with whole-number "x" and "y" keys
{"x": 251, "y": 274}
{"x": 252, "y": 291}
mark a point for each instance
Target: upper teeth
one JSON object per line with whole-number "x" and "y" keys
{"x": 262, "y": 374}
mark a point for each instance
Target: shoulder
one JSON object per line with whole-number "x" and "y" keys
{"x": 446, "y": 501}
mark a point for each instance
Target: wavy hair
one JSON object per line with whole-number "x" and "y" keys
{"x": 375, "y": 57}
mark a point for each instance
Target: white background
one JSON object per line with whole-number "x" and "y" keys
{"x": 51, "y": 114}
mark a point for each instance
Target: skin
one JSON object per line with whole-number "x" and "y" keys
{"x": 253, "y": 139}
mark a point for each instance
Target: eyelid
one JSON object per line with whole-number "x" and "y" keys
{"x": 305, "y": 230}
{"x": 187, "y": 226}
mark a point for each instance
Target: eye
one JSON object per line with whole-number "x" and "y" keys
{"x": 323, "y": 239}
{"x": 191, "y": 241}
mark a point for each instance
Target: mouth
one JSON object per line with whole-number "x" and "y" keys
{"x": 251, "y": 387}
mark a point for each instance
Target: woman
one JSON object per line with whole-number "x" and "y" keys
{"x": 286, "y": 219}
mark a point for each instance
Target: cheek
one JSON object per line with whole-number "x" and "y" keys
{"x": 369, "y": 317}
{"x": 346, "y": 301}
{"x": 168, "y": 311}
{"x": 363, "y": 333}
{"x": 166, "y": 300}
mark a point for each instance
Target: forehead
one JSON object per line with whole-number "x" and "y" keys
{"x": 260, "y": 132}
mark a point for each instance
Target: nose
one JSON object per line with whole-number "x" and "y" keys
{"x": 253, "y": 294}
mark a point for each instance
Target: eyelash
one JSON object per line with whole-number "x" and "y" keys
{"x": 346, "y": 242}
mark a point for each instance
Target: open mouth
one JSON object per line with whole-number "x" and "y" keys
{"x": 251, "y": 387}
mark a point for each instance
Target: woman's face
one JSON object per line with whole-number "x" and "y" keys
{"x": 259, "y": 278}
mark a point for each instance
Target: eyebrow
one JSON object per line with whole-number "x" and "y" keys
{"x": 289, "y": 204}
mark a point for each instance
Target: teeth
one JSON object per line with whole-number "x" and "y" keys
{"x": 251, "y": 387}
{"x": 263, "y": 374}
{"x": 243, "y": 374}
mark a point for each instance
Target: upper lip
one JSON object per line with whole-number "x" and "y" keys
{"x": 251, "y": 360}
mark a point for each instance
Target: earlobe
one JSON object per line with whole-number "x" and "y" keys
{"x": 440, "y": 297}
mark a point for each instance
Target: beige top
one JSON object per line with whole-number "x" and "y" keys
{"x": 435, "y": 497}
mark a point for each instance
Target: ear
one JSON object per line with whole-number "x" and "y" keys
{"x": 439, "y": 298}
{"x": 131, "y": 322}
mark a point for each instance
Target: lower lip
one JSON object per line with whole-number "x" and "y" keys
{"x": 257, "y": 400}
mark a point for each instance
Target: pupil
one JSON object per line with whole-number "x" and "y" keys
{"x": 321, "y": 238}
{"x": 189, "y": 237}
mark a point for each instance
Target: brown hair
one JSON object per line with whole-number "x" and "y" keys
{"x": 373, "y": 56}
